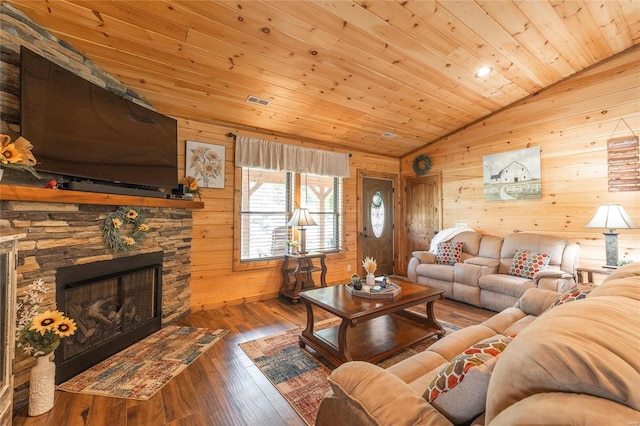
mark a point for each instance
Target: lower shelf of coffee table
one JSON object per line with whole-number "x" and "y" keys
{"x": 371, "y": 340}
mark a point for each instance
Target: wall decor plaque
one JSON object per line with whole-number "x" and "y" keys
{"x": 623, "y": 160}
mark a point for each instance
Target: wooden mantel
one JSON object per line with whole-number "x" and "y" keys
{"x": 27, "y": 193}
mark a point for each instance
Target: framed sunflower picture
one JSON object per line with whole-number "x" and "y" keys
{"x": 205, "y": 162}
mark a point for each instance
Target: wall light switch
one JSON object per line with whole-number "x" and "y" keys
{"x": 462, "y": 225}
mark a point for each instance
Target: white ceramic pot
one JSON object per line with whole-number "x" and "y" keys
{"x": 42, "y": 386}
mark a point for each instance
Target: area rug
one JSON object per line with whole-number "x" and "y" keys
{"x": 300, "y": 377}
{"x": 142, "y": 369}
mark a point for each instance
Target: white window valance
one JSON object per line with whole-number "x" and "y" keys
{"x": 258, "y": 153}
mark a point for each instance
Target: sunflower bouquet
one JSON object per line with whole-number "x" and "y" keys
{"x": 39, "y": 333}
{"x": 17, "y": 155}
{"x": 191, "y": 186}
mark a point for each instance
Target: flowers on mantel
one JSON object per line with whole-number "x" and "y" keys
{"x": 39, "y": 333}
{"x": 115, "y": 222}
{"x": 191, "y": 186}
{"x": 17, "y": 155}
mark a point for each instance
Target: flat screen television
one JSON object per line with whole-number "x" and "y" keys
{"x": 86, "y": 133}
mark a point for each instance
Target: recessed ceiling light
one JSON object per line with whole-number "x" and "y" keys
{"x": 257, "y": 100}
{"x": 483, "y": 71}
{"x": 388, "y": 135}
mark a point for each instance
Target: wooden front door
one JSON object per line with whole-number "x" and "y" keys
{"x": 377, "y": 232}
{"x": 423, "y": 212}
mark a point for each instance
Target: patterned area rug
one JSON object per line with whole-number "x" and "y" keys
{"x": 300, "y": 377}
{"x": 143, "y": 368}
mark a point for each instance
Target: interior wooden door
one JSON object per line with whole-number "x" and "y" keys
{"x": 377, "y": 232}
{"x": 423, "y": 211}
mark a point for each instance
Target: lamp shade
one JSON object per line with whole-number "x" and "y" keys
{"x": 301, "y": 217}
{"x": 611, "y": 216}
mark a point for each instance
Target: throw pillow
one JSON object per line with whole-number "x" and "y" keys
{"x": 577, "y": 292}
{"x": 449, "y": 253}
{"x": 527, "y": 263}
{"x": 459, "y": 390}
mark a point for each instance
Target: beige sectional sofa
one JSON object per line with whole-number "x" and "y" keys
{"x": 575, "y": 363}
{"x": 481, "y": 276}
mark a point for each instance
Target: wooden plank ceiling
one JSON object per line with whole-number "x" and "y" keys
{"x": 341, "y": 72}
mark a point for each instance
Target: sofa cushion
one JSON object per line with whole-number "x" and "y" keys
{"x": 435, "y": 271}
{"x": 470, "y": 242}
{"x": 527, "y": 263}
{"x": 490, "y": 247}
{"x": 459, "y": 390}
{"x": 538, "y": 243}
{"x": 505, "y": 284}
{"x": 424, "y": 256}
{"x": 448, "y": 253}
{"x": 375, "y": 395}
{"x": 627, "y": 287}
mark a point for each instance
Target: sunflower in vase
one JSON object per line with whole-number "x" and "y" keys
{"x": 39, "y": 333}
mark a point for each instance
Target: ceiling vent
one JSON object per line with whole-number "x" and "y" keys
{"x": 388, "y": 135}
{"x": 257, "y": 100}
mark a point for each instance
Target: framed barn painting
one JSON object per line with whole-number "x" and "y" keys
{"x": 205, "y": 162}
{"x": 513, "y": 175}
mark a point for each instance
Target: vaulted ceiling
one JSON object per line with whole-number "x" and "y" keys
{"x": 341, "y": 72}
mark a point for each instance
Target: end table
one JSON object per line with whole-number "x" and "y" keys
{"x": 297, "y": 274}
{"x": 581, "y": 272}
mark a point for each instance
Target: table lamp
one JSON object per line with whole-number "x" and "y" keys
{"x": 611, "y": 216}
{"x": 302, "y": 218}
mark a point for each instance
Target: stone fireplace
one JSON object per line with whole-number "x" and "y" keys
{"x": 66, "y": 234}
{"x": 114, "y": 303}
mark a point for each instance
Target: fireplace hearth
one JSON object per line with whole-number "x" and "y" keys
{"x": 114, "y": 303}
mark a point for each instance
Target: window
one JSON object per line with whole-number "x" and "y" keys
{"x": 268, "y": 201}
{"x": 377, "y": 214}
{"x": 322, "y": 195}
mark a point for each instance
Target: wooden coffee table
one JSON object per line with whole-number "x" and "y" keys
{"x": 371, "y": 329}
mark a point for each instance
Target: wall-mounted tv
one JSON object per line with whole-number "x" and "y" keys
{"x": 82, "y": 131}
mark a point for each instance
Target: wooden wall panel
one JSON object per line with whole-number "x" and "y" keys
{"x": 571, "y": 123}
{"x": 214, "y": 283}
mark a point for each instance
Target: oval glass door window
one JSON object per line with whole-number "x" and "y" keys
{"x": 377, "y": 214}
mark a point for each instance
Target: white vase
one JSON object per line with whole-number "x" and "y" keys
{"x": 42, "y": 386}
{"x": 371, "y": 280}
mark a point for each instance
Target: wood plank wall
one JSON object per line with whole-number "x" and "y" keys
{"x": 571, "y": 123}
{"x": 214, "y": 282}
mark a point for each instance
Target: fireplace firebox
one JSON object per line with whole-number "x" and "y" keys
{"x": 114, "y": 303}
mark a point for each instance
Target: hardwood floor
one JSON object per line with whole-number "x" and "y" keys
{"x": 223, "y": 386}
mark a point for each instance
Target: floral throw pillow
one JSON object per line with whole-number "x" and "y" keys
{"x": 527, "y": 263}
{"x": 448, "y": 253}
{"x": 459, "y": 390}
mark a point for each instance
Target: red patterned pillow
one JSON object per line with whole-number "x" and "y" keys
{"x": 577, "y": 292}
{"x": 466, "y": 378}
{"x": 527, "y": 263}
{"x": 449, "y": 253}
